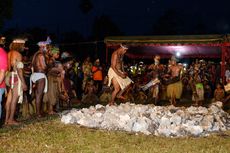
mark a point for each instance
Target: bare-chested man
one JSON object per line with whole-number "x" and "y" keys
{"x": 117, "y": 76}
{"x": 15, "y": 81}
{"x": 174, "y": 89}
{"x": 38, "y": 77}
{"x": 154, "y": 83}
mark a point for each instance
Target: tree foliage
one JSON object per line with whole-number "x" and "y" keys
{"x": 6, "y": 9}
{"x": 103, "y": 26}
{"x": 170, "y": 23}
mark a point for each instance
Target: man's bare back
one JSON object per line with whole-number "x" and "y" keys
{"x": 13, "y": 58}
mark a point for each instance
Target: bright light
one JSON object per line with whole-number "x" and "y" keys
{"x": 179, "y": 48}
{"x": 178, "y": 54}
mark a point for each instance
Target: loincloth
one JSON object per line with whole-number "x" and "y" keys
{"x": 123, "y": 83}
{"x": 12, "y": 80}
{"x": 175, "y": 90}
{"x": 37, "y": 76}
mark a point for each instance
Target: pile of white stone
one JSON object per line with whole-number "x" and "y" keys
{"x": 167, "y": 121}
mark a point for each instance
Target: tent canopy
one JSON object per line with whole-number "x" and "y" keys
{"x": 204, "y": 46}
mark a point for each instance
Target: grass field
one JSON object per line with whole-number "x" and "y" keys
{"x": 49, "y": 135}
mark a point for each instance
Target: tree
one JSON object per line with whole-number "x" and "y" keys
{"x": 103, "y": 26}
{"x": 6, "y": 7}
{"x": 170, "y": 23}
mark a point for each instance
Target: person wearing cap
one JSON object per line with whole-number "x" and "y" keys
{"x": 3, "y": 69}
{"x": 117, "y": 76}
{"x": 38, "y": 79}
{"x": 174, "y": 89}
{"x": 15, "y": 80}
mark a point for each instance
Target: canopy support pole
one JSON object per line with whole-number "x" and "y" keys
{"x": 223, "y": 61}
{"x": 106, "y": 54}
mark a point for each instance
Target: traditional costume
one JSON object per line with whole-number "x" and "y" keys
{"x": 175, "y": 90}
{"x": 35, "y": 76}
{"x": 12, "y": 79}
{"x": 122, "y": 82}
{"x": 175, "y": 87}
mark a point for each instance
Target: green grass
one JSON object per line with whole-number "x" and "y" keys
{"x": 49, "y": 135}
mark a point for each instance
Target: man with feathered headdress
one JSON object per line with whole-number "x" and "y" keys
{"x": 38, "y": 78}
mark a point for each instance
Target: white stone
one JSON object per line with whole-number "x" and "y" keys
{"x": 141, "y": 125}
{"x": 99, "y": 106}
{"x": 194, "y": 130}
{"x": 207, "y": 122}
{"x": 168, "y": 121}
{"x": 175, "y": 120}
{"x": 67, "y": 119}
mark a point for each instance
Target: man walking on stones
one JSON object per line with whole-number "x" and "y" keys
{"x": 117, "y": 76}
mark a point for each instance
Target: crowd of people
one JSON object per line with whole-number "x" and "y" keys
{"x": 50, "y": 79}
{"x": 199, "y": 81}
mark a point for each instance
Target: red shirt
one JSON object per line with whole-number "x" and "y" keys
{"x": 97, "y": 74}
{"x": 3, "y": 64}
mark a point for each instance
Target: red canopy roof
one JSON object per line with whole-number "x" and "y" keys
{"x": 204, "y": 46}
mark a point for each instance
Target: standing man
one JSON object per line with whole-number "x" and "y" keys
{"x": 174, "y": 89}
{"x": 38, "y": 77}
{"x": 154, "y": 83}
{"x": 16, "y": 80}
{"x": 51, "y": 98}
{"x": 3, "y": 69}
{"x": 117, "y": 76}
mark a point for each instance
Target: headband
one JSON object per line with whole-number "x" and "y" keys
{"x": 19, "y": 41}
{"x": 124, "y": 47}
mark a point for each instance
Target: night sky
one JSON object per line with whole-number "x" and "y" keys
{"x": 133, "y": 17}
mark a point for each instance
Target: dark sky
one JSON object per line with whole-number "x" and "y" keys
{"x": 134, "y": 17}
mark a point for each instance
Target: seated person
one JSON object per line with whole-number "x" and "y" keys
{"x": 90, "y": 96}
{"x": 219, "y": 93}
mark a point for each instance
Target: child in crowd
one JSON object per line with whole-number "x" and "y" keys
{"x": 197, "y": 88}
{"x": 219, "y": 93}
{"x": 207, "y": 90}
{"x": 90, "y": 96}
